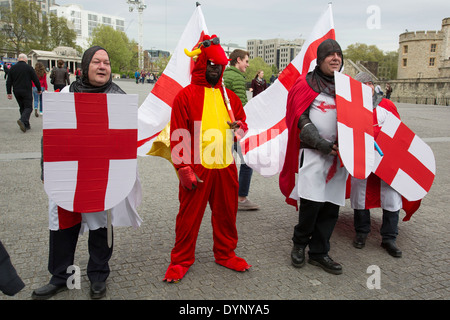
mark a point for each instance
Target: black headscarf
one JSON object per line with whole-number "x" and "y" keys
{"x": 83, "y": 85}
{"x": 316, "y": 79}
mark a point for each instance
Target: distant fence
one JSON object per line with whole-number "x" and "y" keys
{"x": 423, "y": 100}
{"x": 420, "y": 91}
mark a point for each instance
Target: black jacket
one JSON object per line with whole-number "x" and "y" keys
{"x": 20, "y": 77}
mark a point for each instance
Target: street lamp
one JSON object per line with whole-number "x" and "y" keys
{"x": 140, "y": 6}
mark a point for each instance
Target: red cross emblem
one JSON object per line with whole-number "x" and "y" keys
{"x": 408, "y": 163}
{"x": 355, "y": 125}
{"x": 88, "y": 160}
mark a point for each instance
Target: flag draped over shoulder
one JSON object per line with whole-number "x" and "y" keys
{"x": 264, "y": 146}
{"x": 154, "y": 113}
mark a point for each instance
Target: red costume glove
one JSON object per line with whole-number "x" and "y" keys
{"x": 188, "y": 178}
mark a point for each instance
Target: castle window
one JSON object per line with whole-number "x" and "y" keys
{"x": 405, "y": 49}
{"x": 433, "y": 47}
{"x": 405, "y": 62}
{"x": 432, "y": 60}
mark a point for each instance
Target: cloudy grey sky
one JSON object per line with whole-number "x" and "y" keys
{"x": 377, "y": 22}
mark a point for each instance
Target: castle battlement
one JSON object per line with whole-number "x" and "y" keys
{"x": 421, "y": 35}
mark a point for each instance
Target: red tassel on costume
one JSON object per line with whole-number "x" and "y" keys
{"x": 332, "y": 170}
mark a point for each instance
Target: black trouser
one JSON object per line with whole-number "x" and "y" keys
{"x": 25, "y": 101}
{"x": 62, "y": 251}
{"x": 316, "y": 221}
{"x": 10, "y": 282}
{"x": 389, "y": 226}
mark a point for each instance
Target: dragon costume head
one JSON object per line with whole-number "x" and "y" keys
{"x": 208, "y": 50}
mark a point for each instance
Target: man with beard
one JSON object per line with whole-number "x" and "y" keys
{"x": 201, "y": 148}
{"x": 312, "y": 153}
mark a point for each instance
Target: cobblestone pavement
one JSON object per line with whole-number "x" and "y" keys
{"x": 142, "y": 255}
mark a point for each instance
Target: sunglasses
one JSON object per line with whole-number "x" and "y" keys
{"x": 207, "y": 43}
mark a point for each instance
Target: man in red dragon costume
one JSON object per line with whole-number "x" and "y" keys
{"x": 201, "y": 131}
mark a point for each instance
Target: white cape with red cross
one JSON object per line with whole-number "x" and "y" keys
{"x": 89, "y": 149}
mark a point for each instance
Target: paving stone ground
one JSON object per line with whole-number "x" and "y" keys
{"x": 142, "y": 255}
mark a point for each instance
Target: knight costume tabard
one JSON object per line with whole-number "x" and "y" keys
{"x": 320, "y": 177}
{"x": 201, "y": 144}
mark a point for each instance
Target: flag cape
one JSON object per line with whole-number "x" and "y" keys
{"x": 264, "y": 146}
{"x": 89, "y": 149}
{"x": 408, "y": 164}
{"x": 154, "y": 113}
{"x": 355, "y": 125}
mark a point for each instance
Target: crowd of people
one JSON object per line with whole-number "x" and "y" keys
{"x": 311, "y": 156}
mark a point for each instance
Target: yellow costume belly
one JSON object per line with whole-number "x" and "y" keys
{"x": 216, "y": 139}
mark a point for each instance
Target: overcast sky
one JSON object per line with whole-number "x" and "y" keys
{"x": 236, "y": 21}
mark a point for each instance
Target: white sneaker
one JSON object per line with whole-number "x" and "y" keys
{"x": 247, "y": 205}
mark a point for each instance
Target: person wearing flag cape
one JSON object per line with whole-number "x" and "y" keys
{"x": 312, "y": 153}
{"x": 201, "y": 150}
{"x": 373, "y": 192}
{"x": 65, "y": 226}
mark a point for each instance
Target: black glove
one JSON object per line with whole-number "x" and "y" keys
{"x": 310, "y": 135}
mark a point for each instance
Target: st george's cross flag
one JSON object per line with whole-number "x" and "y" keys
{"x": 355, "y": 125}
{"x": 154, "y": 113}
{"x": 264, "y": 146}
{"x": 408, "y": 164}
{"x": 89, "y": 149}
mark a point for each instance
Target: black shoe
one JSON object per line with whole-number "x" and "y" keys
{"x": 298, "y": 256}
{"x": 98, "y": 290}
{"x": 392, "y": 248}
{"x": 327, "y": 264}
{"x": 47, "y": 291}
{"x": 21, "y": 125}
{"x": 359, "y": 241}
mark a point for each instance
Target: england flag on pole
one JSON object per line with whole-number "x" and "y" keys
{"x": 154, "y": 113}
{"x": 264, "y": 146}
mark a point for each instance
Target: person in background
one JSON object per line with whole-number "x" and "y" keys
{"x": 42, "y": 75}
{"x": 373, "y": 192}
{"x": 258, "y": 83}
{"x": 59, "y": 76}
{"x": 19, "y": 79}
{"x": 234, "y": 80}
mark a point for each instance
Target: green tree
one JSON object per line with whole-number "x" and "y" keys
{"x": 255, "y": 65}
{"x": 19, "y": 23}
{"x": 24, "y": 28}
{"x": 122, "y": 51}
{"x": 387, "y": 61}
{"x": 161, "y": 63}
{"x": 60, "y": 33}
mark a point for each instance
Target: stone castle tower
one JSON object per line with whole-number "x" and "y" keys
{"x": 425, "y": 54}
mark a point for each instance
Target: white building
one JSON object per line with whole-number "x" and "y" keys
{"x": 83, "y": 22}
{"x": 278, "y": 52}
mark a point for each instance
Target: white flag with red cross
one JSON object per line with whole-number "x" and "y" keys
{"x": 264, "y": 145}
{"x": 408, "y": 164}
{"x": 89, "y": 149}
{"x": 154, "y": 113}
{"x": 355, "y": 125}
